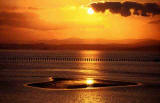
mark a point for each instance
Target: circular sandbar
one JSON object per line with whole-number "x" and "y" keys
{"x": 70, "y": 83}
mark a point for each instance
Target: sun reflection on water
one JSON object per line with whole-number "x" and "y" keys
{"x": 89, "y": 81}
{"x": 89, "y": 52}
{"x": 89, "y": 65}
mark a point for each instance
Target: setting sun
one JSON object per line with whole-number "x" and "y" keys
{"x": 90, "y": 11}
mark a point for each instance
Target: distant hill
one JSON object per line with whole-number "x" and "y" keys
{"x": 81, "y": 44}
{"x": 97, "y": 41}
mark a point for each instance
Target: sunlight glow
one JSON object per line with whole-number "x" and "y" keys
{"x": 89, "y": 81}
{"x": 90, "y": 11}
{"x": 51, "y": 79}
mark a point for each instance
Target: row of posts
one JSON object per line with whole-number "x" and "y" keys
{"x": 85, "y": 59}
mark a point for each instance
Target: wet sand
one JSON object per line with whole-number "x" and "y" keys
{"x": 75, "y": 83}
{"x": 13, "y": 90}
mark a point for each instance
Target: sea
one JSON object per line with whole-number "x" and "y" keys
{"x": 21, "y": 67}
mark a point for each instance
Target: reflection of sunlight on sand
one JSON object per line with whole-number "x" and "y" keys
{"x": 50, "y": 79}
{"x": 90, "y": 97}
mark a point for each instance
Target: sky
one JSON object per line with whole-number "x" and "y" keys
{"x": 25, "y": 21}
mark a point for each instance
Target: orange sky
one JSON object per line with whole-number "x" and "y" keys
{"x": 34, "y": 20}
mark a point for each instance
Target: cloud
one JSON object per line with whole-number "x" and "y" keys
{"x": 145, "y": 9}
{"x": 154, "y": 22}
{"x": 24, "y": 20}
{"x": 14, "y": 8}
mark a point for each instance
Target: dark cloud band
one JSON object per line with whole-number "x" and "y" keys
{"x": 25, "y": 20}
{"x": 146, "y": 9}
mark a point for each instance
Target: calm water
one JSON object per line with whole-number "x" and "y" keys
{"x": 19, "y": 67}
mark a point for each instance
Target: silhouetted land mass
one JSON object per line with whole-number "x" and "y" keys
{"x": 82, "y": 45}
{"x": 42, "y": 46}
